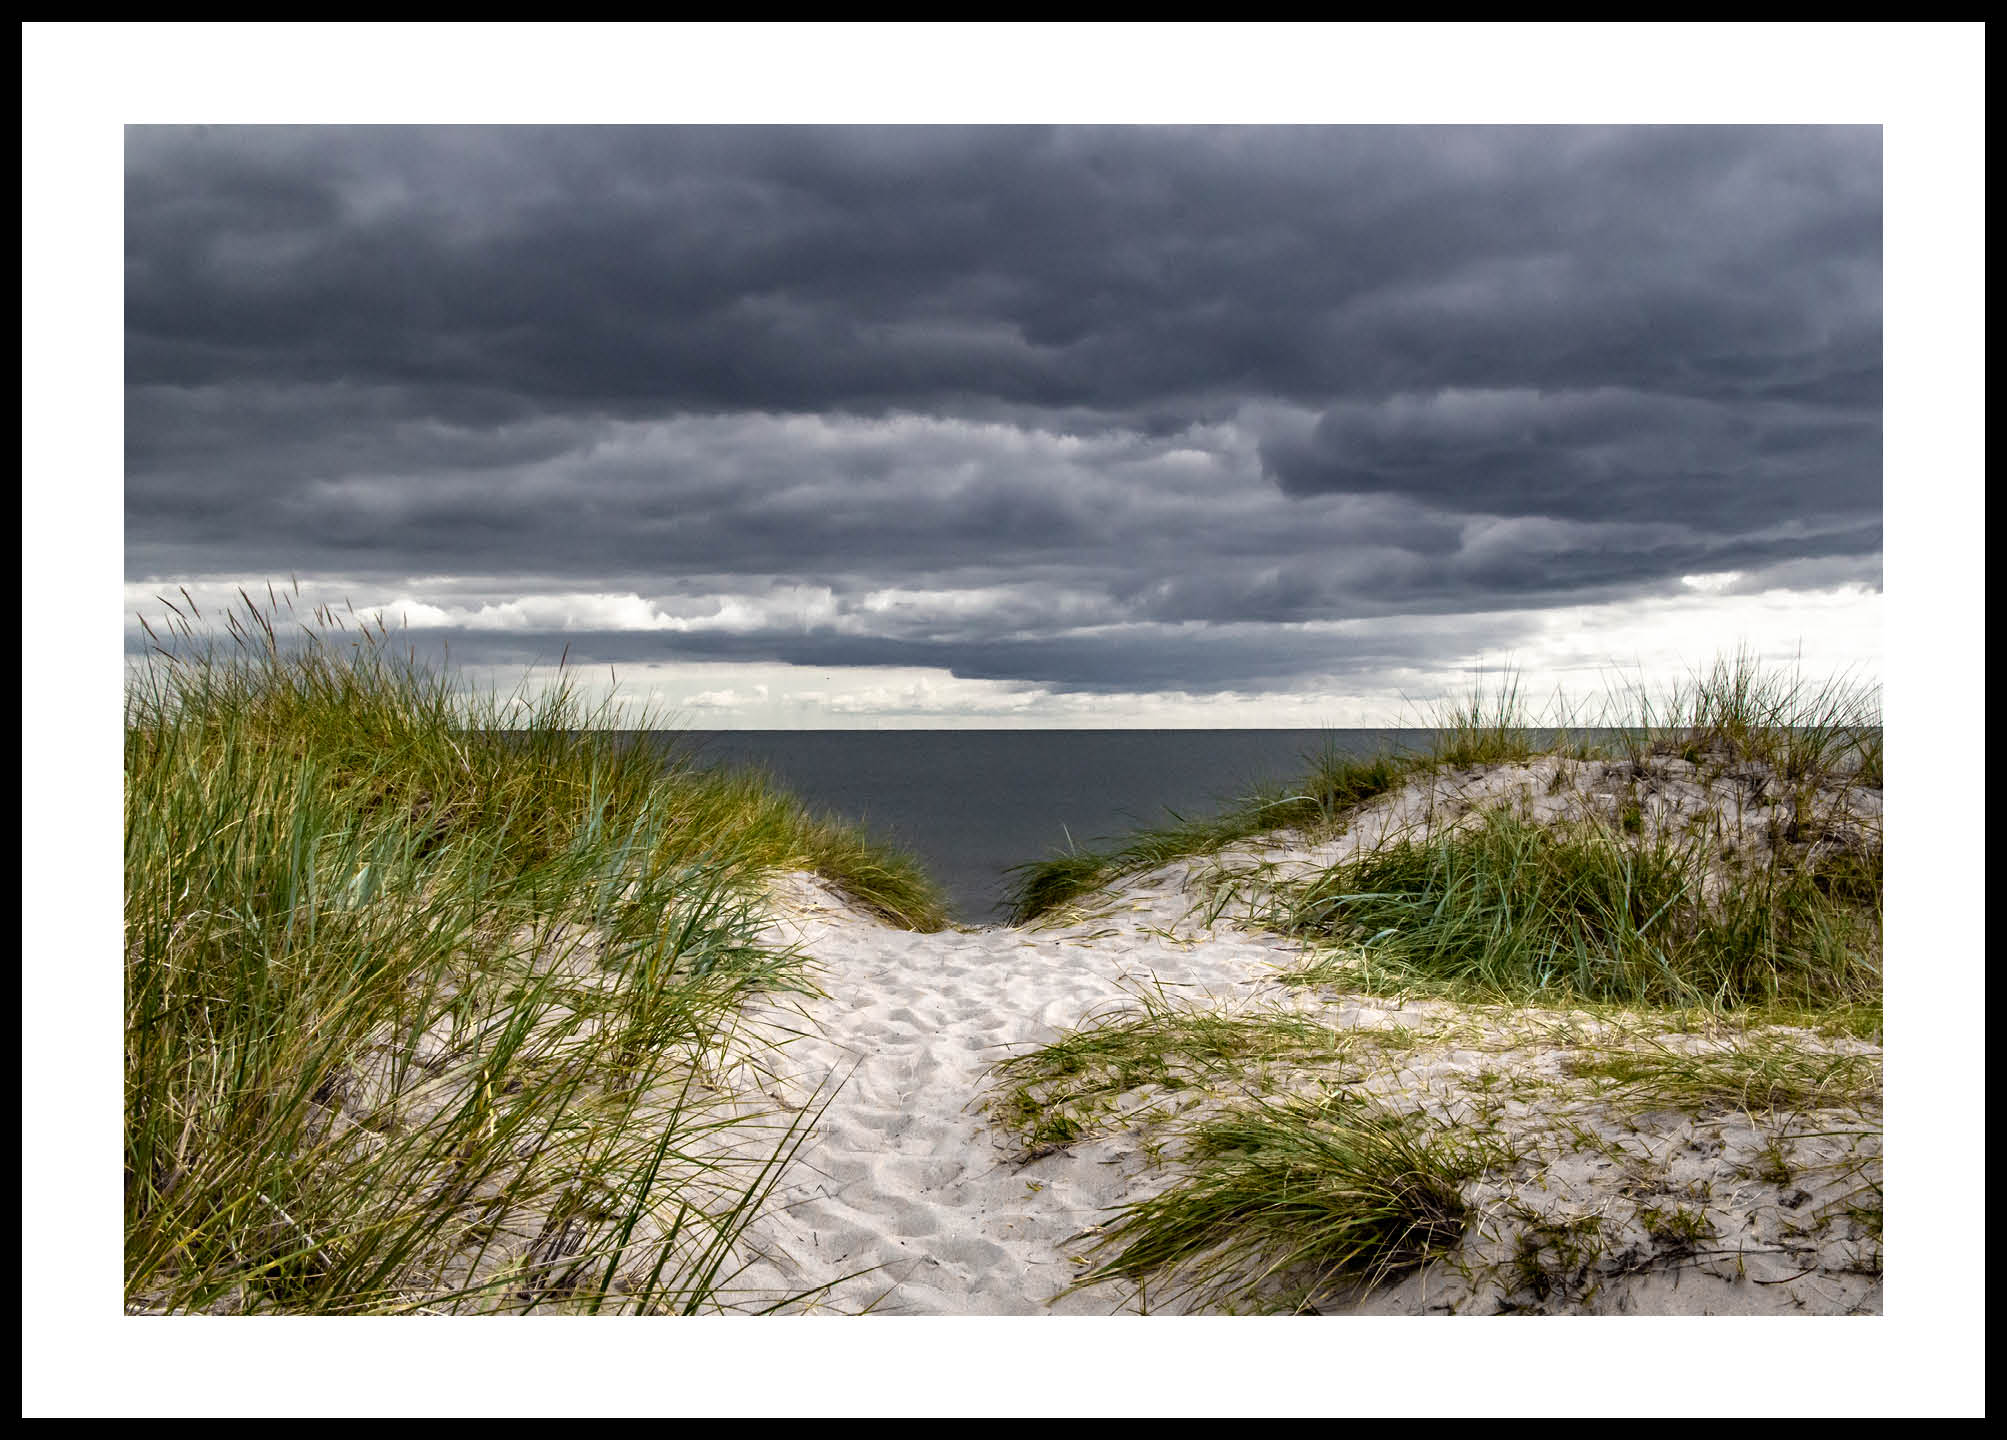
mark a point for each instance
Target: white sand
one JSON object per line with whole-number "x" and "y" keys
{"x": 905, "y": 1176}
{"x": 906, "y": 1200}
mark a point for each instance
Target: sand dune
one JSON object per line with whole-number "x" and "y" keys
{"x": 907, "y": 1199}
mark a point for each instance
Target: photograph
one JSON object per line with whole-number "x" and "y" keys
{"x": 783, "y": 713}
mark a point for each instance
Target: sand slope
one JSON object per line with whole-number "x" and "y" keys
{"x": 905, "y": 1177}
{"x": 905, "y": 1199}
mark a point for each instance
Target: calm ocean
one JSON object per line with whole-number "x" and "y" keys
{"x": 971, "y": 803}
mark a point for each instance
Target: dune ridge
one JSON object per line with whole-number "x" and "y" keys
{"x": 912, "y": 1196}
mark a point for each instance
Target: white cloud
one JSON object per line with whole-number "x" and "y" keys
{"x": 1712, "y": 584}
{"x": 1573, "y": 655}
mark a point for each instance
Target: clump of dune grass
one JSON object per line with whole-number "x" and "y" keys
{"x": 775, "y": 832}
{"x": 537, "y": 771}
{"x": 1807, "y": 732}
{"x": 1043, "y": 886}
{"x": 1813, "y": 735}
{"x": 427, "y": 998}
{"x": 1618, "y": 909}
{"x": 1286, "y": 1200}
{"x": 1760, "y": 1074}
{"x": 1067, "y": 1091}
{"x": 1513, "y": 909}
{"x": 1615, "y": 909}
{"x": 1484, "y": 728}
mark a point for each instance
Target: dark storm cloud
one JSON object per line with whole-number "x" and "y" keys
{"x": 1602, "y": 454}
{"x": 1238, "y": 377}
{"x": 1127, "y": 270}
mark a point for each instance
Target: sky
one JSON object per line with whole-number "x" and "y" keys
{"x": 923, "y": 425}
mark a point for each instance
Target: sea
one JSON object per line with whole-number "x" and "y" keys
{"x": 973, "y": 803}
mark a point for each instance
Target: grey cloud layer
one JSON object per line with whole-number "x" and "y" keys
{"x": 1601, "y": 454}
{"x": 1238, "y": 377}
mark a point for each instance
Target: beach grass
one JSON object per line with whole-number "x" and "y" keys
{"x": 1762, "y": 1073}
{"x": 1512, "y": 909}
{"x": 1608, "y": 908}
{"x": 1074, "y": 1088}
{"x": 1736, "y": 710}
{"x": 1335, "y": 783}
{"x": 1283, "y": 1200}
{"x": 1489, "y": 724}
{"x": 1671, "y": 910}
{"x": 428, "y": 997}
{"x": 1623, "y": 904}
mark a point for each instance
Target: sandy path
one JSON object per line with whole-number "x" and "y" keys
{"x": 905, "y": 1177}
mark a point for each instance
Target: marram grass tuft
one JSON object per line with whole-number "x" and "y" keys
{"x": 426, "y": 997}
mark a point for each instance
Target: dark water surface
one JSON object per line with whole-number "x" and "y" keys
{"x": 970, "y": 803}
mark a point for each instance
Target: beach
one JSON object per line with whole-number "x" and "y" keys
{"x": 528, "y": 1020}
{"x": 909, "y": 1196}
